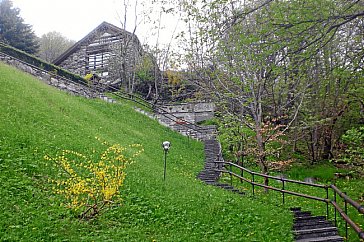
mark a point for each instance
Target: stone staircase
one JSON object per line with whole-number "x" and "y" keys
{"x": 308, "y": 228}
{"x": 213, "y": 161}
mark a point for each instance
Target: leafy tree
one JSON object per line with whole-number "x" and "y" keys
{"x": 353, "y": 139}
{"x": 242, "y": 66}
{"x": 14, "y": 31}
{"x": 329, "y": 44}
{"x": 145, "y": 71}
{"x": 283, "y": 69}
{"x": 52, "y": 45}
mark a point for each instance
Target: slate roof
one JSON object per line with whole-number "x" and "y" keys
{"x": 103, "y": 27}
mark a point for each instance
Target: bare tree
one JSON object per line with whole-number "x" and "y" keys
{"x": 127, "y": 52}
{"x": 53, "y": 44}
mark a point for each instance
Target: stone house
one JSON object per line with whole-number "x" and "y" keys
{"x": 107, "y": 51}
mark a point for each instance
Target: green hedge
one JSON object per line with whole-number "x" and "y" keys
{"x": 32, "y": 60}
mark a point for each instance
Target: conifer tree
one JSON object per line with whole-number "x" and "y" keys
{"x": 14, "y": 31}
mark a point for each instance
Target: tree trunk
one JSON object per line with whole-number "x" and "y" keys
{"x": 262, "y": 158}
{"x": 329, "y": 133}
{"x": 149, "y": 91}
{"x": 327, "y": 154}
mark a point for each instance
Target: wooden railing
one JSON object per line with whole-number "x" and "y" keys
{"x": 327, "y": 188}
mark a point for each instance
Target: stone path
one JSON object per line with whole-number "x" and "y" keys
{"x": 308, "y": 228}
{"x": 213, "y": 160}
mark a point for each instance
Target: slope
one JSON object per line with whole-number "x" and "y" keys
{"x": 36, "y": 120}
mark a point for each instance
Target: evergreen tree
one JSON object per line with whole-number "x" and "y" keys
{"x": 14, "y": 31}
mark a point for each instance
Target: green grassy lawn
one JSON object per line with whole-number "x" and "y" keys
{"x": 36, "y": 119}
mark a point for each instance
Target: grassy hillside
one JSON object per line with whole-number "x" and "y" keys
{"x": 36, "y": 120}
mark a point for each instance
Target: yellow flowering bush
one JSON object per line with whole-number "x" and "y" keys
{"x": 88, "y": 186}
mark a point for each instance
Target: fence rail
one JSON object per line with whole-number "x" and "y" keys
{"x": 343, "y": 212}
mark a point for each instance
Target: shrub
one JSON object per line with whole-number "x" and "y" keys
{"x": 353, "y": 140}
{"x": 88, "y": 186}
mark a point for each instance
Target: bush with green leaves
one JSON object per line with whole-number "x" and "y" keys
{"x": 353, "y": 140}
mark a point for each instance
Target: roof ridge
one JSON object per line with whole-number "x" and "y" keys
{"x": 76, "y": 46}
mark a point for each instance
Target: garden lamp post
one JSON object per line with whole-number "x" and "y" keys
{"x": 166, "y": 145}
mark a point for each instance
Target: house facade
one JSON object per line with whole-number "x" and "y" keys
{"x": 108, "y": 51}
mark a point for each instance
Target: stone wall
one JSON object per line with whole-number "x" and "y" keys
{"x": 187, "y": 129}
{"x": 50, "y": 78}
{"x": 184, "y": 118}
{"x": 76, "y": 62}
{"x": 131, "y": 56}
{"x": 188, "y": 112}
{"x": 121, "y": 52}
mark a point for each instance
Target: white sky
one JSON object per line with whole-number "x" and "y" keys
{"x": 76, "y": 18}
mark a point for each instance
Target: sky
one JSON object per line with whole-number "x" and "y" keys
{"x": 74, "y": 19}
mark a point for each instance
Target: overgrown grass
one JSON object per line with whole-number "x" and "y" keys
{"x": 36, "y": 119}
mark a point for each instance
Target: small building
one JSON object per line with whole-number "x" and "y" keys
{"x": 107, "y": 51}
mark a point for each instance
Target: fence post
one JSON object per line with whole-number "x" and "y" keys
{"x": 282, "y": 189}
{"x": 327, "y": 202}
{"x": 242, "y": 175}
{"x": 231, "y": 176}
{"x": 335, "y": 208}
{"x": 346, "y": 223}
{"x": 242, "y": 158}
{"x": 242, "y": 165}
{"x": 253, "y": 182}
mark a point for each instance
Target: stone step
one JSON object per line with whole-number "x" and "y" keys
{"x": 315, "y": 233}
{"x": 208, "y": 171}
{"x": 309, "y": 222}
{"x": 320, "y": 224}
{"x": 302, "y": 214}
{"x": 312, "y": 218}
{"x": 208, "y": 178}
{"x": 323, "y": 239}
{"x": 208, "y": 175}
{"x": 308, "y": 228}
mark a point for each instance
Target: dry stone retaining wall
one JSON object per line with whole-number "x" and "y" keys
{"x": 50, "y": 78}
{"x": 187, "y": 112}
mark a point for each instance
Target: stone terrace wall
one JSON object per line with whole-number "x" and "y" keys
{"x": 183, "y": 118}
{"x": 189, "y": 112}
{"x": 50, "y": 78}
